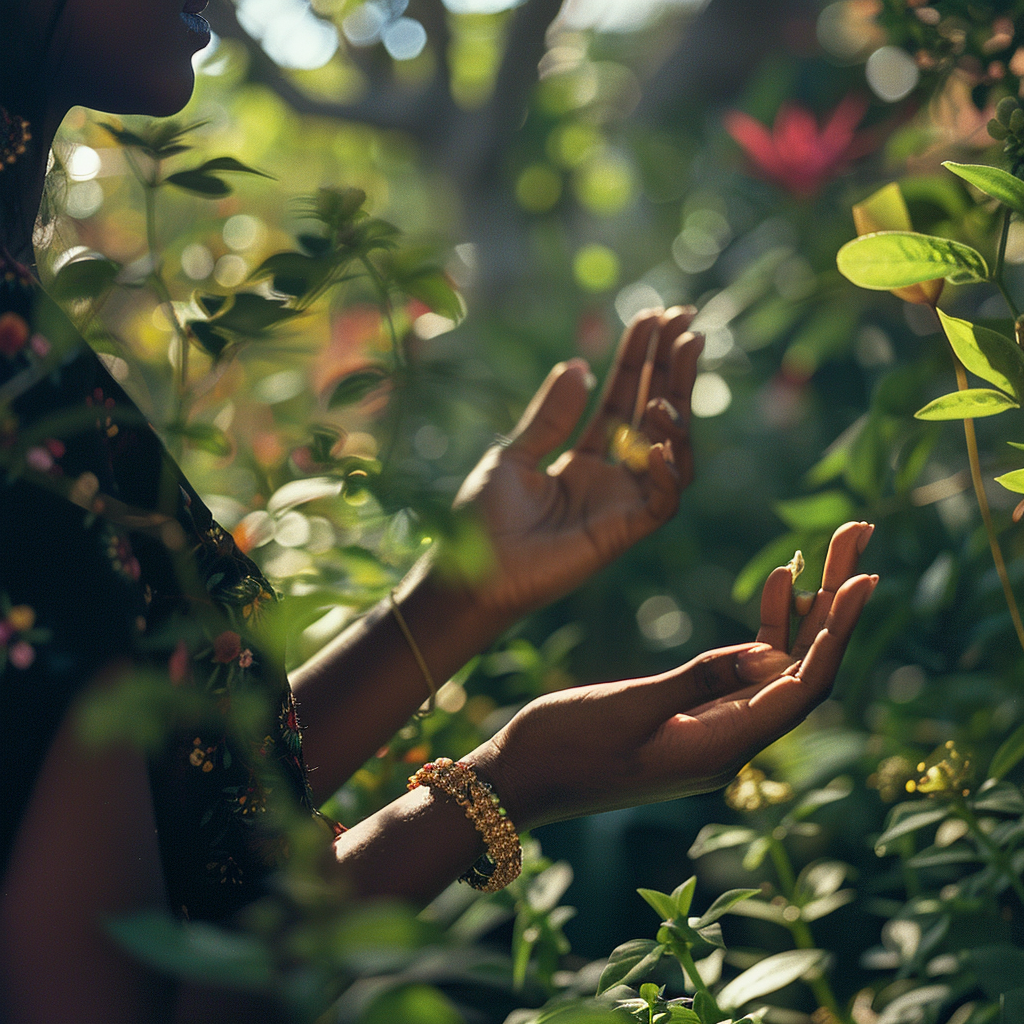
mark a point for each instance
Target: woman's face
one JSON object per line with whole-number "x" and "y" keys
{"x": 122, "y": 56}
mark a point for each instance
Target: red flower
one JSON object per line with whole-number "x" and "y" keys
{"x": 13, "y": 334}
{"x": 227, "y": 647}
{"x": 797, "y": 154}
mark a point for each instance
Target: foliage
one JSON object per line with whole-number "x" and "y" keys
{"x": 309, "y": 366}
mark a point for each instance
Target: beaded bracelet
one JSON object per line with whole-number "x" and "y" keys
{"x": 504, "y": 857}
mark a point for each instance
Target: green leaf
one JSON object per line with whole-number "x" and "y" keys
{"x": 895, "y": 259}
{"x": 999, "y": 968}
{"x": 86, "y": 278}
{"x": 229, "y": 163}
{"x": 719, "y": 837}
{"x": 706, "y": 1008}
{"x": 986, "y": 354}
{"x": 292, "y": 273}
{"x": 199, "y": 184}
{"x": 630, "y": 962}
{"x": 1000, "y": 798}
{"x": 354, "y": 387}
{"x": 906, "y": 823}
{"x": 1012, "y": 481}
{"x": 935, "y": 857}
{"x": 723, "y": 905}
{"x": 197, "y": 951}
{"x": 650, "y": 993}
{"x": 769, "y": 975}
{"x": 663, "y": 904}
{"x": 682, "y": 895}
{"x": 993, "y": 181}
{"x": 1010, "y": 752}
{"x": 969, "y": 404}
{"x": 755, "y": 572}
{"x": 248, "y": 314}
{"x": 823, "y": 511}
{"x": 203, "y": 435}
{"x": 208, "y": 338}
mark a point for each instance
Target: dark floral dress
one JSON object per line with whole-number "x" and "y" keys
{"x": 108, "y": 558}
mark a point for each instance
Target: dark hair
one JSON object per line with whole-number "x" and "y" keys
{"x": 23, "y": 91}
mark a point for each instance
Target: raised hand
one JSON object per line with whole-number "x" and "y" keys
{"x": 596, "y": 748}
{"x": 550, "y": 528}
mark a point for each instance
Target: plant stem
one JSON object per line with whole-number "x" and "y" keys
{"x": 997, "y": 274}
{"x": 802, "y": 936}
{"x": 996, "y": 856}
{"x": 686, "y": 959}
{"x": 986, "y": 515}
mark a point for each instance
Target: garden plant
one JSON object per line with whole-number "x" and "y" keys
{"x": 325, "y": 373}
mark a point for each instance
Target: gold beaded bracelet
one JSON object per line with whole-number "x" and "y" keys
{"x": 503, "y": 860}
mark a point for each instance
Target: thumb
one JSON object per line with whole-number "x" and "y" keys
{"x": 554, "y": 410}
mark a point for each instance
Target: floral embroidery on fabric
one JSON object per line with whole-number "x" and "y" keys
{"x": 18, "y": 635}
{"x": 182, "y": 601}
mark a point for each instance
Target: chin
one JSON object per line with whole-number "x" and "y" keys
{"x": 160, "y": 98}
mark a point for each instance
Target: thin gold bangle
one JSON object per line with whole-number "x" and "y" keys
{"x": 417, "y": 654}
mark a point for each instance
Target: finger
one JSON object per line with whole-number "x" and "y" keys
{"x": 554, "y": 410}
{"x": 776, "y": 598}
{"x": 619, "y": 398}
{"x": 840, "y": 563}
{"x": 662, "y": 485}
{"x": 667, "y": 417}
{"x": 821, "y": 663}
{"x": 787, "y": 701}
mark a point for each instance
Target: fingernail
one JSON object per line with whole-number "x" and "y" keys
{"x": 589, "y": 380}
{"x": 803, "y": 601}
{"x": 865, "y": 536}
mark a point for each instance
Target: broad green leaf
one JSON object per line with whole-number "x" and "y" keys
{"x": 769, "y": 975}
{"x": 354, "y": 387}
{"x": 196, "y": 950}
{"x": 199, "y": 184}
{"x": 1012, "y": 481}
{"x": 967, "y": 405}
{"x": 823, "y": 511}
{"x": 579, "y": 1013}
{"x": 986, "y": 354}
{"x": 993, "y": 181}
{"x": 650, "y": 993}
{"x": 723, "y": 905}
{"x": 84, "y": 279}
{"x": 662, "y": 903}
{"x": 1010, "y": 752}
{"x": 895, "y": 259}
{"x": 706, "y": 1008}
{"x": 928, "y": 815}
{"x": 630, "y": 962}
{"x": 884, "y": 210}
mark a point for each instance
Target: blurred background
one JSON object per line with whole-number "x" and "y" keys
{"x": 565, "y": 166}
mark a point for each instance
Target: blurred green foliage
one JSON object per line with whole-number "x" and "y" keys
{"x": 884, "y": 837}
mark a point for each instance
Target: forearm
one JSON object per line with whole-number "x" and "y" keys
{"x": 412, "y": 848}
{"x": 362, "y": 687}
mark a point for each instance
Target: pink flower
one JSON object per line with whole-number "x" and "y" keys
{"x": 21, "y": 654}
{"x": 13, "y": 333}
{"x": 227, "y": 647}
{"x": 39, "y": 459}
{"x": 797, "y": 154}
{"x": 245, "y": 658}
{"x": 39, "y": 345}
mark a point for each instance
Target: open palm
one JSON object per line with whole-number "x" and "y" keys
{"x": 550, "y": 527}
